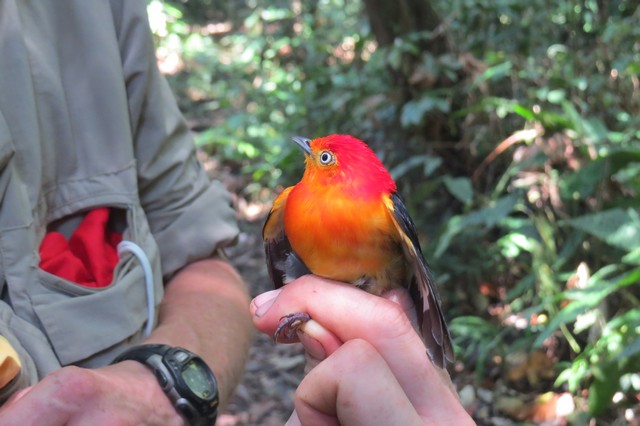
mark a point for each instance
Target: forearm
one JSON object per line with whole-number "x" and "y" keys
{"x": 205, "y": 309}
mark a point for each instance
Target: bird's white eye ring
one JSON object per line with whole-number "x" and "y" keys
{"x": 326, "y": 158}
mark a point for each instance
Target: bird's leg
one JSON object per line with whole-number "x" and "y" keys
{"x": 289, "y": 325}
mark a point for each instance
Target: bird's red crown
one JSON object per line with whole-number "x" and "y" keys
{"x": 352, "y": 164}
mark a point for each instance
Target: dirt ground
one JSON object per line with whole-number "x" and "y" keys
{"x": 265, "y": 395}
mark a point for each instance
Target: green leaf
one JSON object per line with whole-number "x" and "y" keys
{"x": 574, "y": 374}
{"x": 632, "y": 349}
{"x": 495, "y": 72}
{"x": 473, "y": 326}
{"x": 602, "y": 389}
{"x": 617, "y": 227}
{"x": 493, "y": 213}
{"x": 567, "y": 315}
{"x": 523, "y": 112}
{"x": 633, "y": 257}
{"x": 413, "y": 112}
{"x": 430, "y": 164}
{"x": 460, "y": 188}
{"x": 628, "y": 174}
{"x": 275, "y": 14}
{"x": 633, "y": 68}
{"x": 453, "y": 227}
{"x": 556, "y": 96}
{"x": 588, "y": 298}
{"x": 583, "y": 182}
{"x": 514, "y": 243}
{"x": 487, "y": 217}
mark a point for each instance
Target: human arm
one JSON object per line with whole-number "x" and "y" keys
{"x": 372, "y": 364}
{"x": 162, "y": 187}
{"x": 204, "y": 310}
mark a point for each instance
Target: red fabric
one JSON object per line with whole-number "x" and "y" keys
{"x": 90, "y": 255}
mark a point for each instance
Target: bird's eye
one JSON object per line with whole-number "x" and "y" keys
{"x": 326, "y": 158}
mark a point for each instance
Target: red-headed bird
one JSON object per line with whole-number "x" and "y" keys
{"x": 344, "y": 221}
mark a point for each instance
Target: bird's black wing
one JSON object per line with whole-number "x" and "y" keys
{"x": 282, "y": 262}
{"x": 423, "y": 289}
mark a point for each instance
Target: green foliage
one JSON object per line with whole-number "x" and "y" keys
{"x": 517, "y": 149}
{"x": 270, "y": 73}
{"x": 562, "y": 207}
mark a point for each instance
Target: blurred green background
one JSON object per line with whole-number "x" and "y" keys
{"x": 513, "y": 130}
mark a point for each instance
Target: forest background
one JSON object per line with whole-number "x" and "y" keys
{"x": 513, "y": 130}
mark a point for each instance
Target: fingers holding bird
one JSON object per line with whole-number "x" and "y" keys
{"x": 342, "y": 313}
{"x": 341, "y": 391}
{"x": 339, "y": 307}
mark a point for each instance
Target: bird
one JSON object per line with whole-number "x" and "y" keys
{"x": 345, "y": 221}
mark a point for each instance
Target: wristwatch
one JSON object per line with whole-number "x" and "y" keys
{"x": 185, "y": 378}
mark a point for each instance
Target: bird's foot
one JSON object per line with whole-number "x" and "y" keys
{"x": 289, "y": 325}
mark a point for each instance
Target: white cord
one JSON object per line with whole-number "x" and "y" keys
{"x": 133, "y": 248}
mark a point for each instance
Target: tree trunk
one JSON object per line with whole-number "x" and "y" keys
{"x": 390, "y": 19}
{"x": 419, "y": 25}
{"x": 424, "y": 71}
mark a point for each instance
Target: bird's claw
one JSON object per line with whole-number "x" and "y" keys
{"x": 289, "y": 325}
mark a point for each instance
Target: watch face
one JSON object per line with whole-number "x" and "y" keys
{"x": 198, "y": 379}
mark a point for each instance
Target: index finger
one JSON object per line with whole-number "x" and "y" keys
{"x": 330, "y": 303}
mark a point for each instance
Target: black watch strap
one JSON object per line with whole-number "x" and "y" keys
{"x": 184, "y": 377}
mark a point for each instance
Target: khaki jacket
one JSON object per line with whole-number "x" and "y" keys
{"x": 86, "y": 120}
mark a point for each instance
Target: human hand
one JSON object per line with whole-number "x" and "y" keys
{"x": 126, "y": 393}
{"x": 372, "y": 367}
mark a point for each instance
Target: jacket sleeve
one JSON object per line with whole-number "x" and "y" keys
{"x": 189, "y": 215}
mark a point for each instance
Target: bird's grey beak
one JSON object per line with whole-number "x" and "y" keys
{"x": 304, "y": 143}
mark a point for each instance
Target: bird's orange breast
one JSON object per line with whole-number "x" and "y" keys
{"x": 340, "y": 237}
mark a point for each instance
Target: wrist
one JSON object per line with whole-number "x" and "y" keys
{"x": 143, "y": 378}
{"x": 186, "y": 380}
{"x": 140, "y": 382}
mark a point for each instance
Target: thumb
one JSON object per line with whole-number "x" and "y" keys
{"x": 401, "y": 297}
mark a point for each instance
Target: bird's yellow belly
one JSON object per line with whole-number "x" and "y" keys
{"x": 344, "y": 243}
{"x": 344, "y": 263}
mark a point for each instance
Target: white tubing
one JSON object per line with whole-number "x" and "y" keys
{"x": 133, "y": 248}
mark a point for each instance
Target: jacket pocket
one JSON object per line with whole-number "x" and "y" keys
{"x": 82, "y": 322}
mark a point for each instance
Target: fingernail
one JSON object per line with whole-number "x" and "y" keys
{"x": 313, "y": 347}
{"x": 264, "y": 301}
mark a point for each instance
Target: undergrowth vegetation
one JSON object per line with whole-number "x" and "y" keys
{"x": 526, "y": 196}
